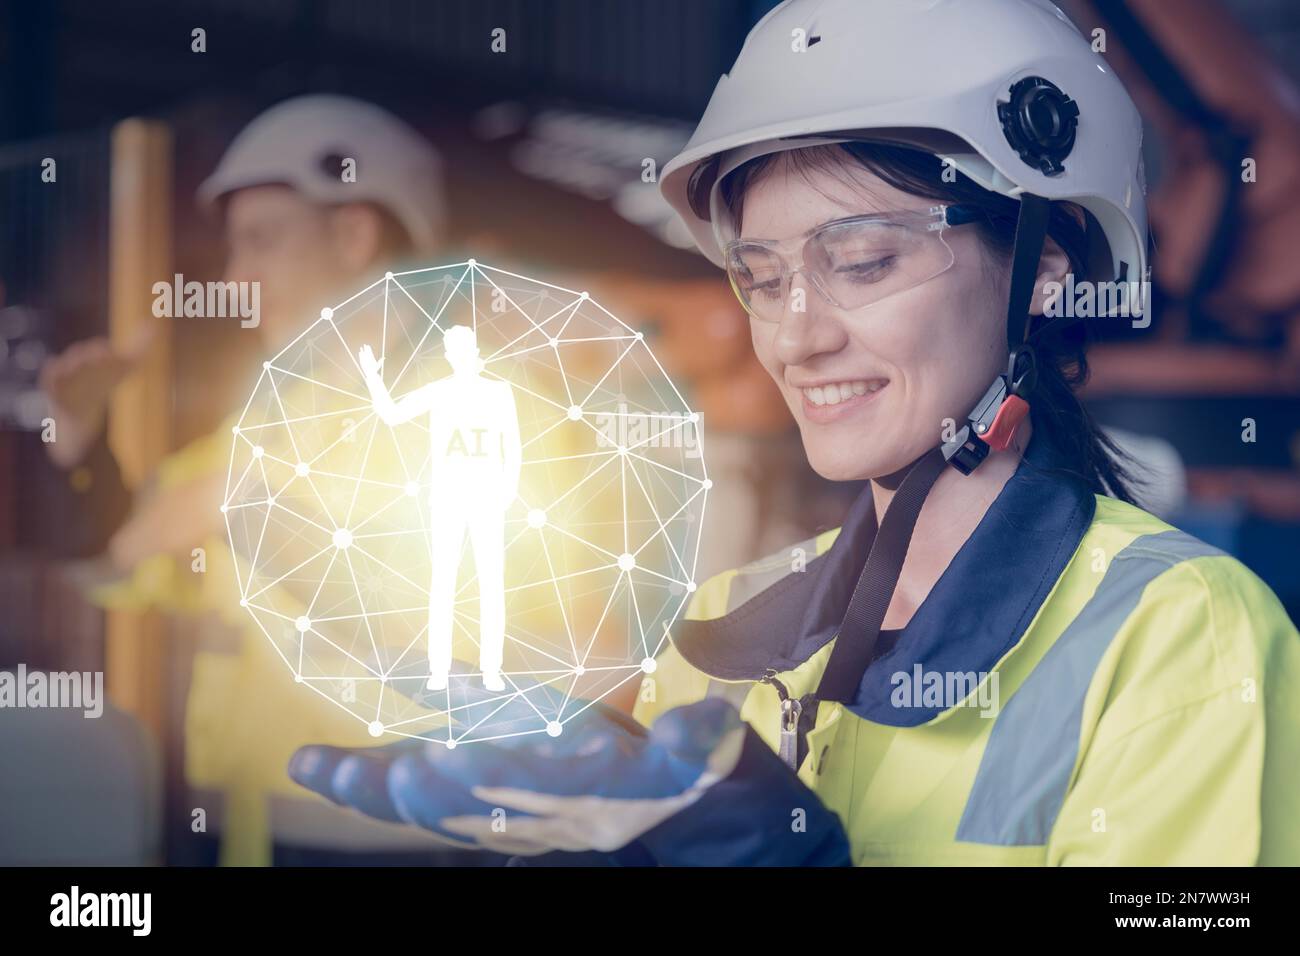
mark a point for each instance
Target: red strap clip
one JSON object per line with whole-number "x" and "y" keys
{"x": 1010, "y": 414}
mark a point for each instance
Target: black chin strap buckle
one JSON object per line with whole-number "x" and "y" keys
{"x": 966, "y": 450}
{"x": 993, "y": 422}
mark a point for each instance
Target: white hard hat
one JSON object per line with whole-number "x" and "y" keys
{"x": 302, "y": 142}
{"x": 992, "y": 85}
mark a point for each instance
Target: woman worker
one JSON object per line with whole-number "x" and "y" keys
{"x": 998, "y": 658}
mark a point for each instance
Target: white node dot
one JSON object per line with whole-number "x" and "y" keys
{"x": 473, "y": 263}
{"x": 640, "y": 336}
{"x": 690, "y": 586}
{"x": 376, "y": 728}
{"x": 258, "y": 451}
{"x": 266, "y": 365}
{"x": 271, "y": 501}
{"x": 707, "y": 483}
{"x": 554, "y": 343}
{"x": 583, "y": 295}
{"x": 342, "y": 538}
{"x": 622, "y": 449}
{"x": 303, "y": 624}
{"x": 243, "y": 602}
{"x": 297, "y": 678}
{"x": 574, "y": 413}
{"x": 234, "y": 430}
{"x": 412, "y": 489}
{"x": 536, "y": 517}
{"x": 327, "y": 313}
{"x": 626, "y": 562}
{"x": 554, "y": 728}
{"x": 649, "y": 665}
{"x": 695, "y": 416}
{"x": 451, "y": 745}
{"x": 388, "y": 275}
{"x": 302, "y": 469}
{"x": 224, "y": 509}
{"x": 579, "y": 670}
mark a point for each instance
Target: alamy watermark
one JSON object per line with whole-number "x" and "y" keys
{"x": 633, "y": 430}
{"x": 945, "y": 689}
{"x": 133, "y": 911}
{"x": 208, "y": 300}
{"x": 74, "y": 690}
{"x": 1084, "y": 299}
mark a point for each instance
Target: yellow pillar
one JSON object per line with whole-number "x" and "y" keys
{"x": 140, "y": 254}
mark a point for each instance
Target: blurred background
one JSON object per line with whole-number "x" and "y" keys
{"x": 550, "y": 122}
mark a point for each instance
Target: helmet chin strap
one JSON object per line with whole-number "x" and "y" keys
{"x": 991, "y": 423}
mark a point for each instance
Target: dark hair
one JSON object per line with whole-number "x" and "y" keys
{"x": 1090, "y": 454}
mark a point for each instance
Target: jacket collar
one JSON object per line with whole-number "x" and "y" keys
{"x": 976, "y": 612}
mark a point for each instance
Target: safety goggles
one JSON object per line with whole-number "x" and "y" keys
{"x": 852, "y": 263}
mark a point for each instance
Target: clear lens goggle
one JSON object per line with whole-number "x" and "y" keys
{"x": 852, "y": 263}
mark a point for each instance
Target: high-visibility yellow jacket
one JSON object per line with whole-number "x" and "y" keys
{"x": 1084, "y": 685}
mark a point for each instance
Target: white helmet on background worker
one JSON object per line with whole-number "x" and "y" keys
{"x": 1008, "y": 90}
{"x": 302, "y": 143}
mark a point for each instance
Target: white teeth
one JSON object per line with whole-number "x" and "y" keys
{"x": 841, "y": 391}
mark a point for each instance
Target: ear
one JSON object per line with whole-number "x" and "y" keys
{"x": 1052, "y": 268}
{"x": 355, "y": 233}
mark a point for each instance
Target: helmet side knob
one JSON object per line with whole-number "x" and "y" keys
{"x": 1039, "y": 121}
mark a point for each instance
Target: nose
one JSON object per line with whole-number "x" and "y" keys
{"x": 808, "y": 326}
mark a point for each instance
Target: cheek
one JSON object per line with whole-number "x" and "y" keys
{"x": 761, "y": 334}
{"x": 941, "y": 344}
{"x": 952, "y": 346}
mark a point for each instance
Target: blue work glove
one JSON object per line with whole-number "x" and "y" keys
{"x": 700, "y": 788}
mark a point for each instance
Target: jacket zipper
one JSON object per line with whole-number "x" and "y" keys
{"x": 791, "y": 709}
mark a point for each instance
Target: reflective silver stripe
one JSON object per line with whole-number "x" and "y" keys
{"x": 760, "y": 575}
{"x": 1022, "y": 778}
{"x": 734, "y": 694}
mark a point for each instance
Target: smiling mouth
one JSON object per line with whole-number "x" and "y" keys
{"x": 825, "y": 403}
{"x": 835, "y": 393}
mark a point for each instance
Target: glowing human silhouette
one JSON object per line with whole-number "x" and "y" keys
{"x": 474, "y": 459}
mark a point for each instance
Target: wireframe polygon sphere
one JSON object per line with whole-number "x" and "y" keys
{"x": 332, "y": 513}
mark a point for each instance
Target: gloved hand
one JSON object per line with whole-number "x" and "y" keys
{"x": 699, "y": 789}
